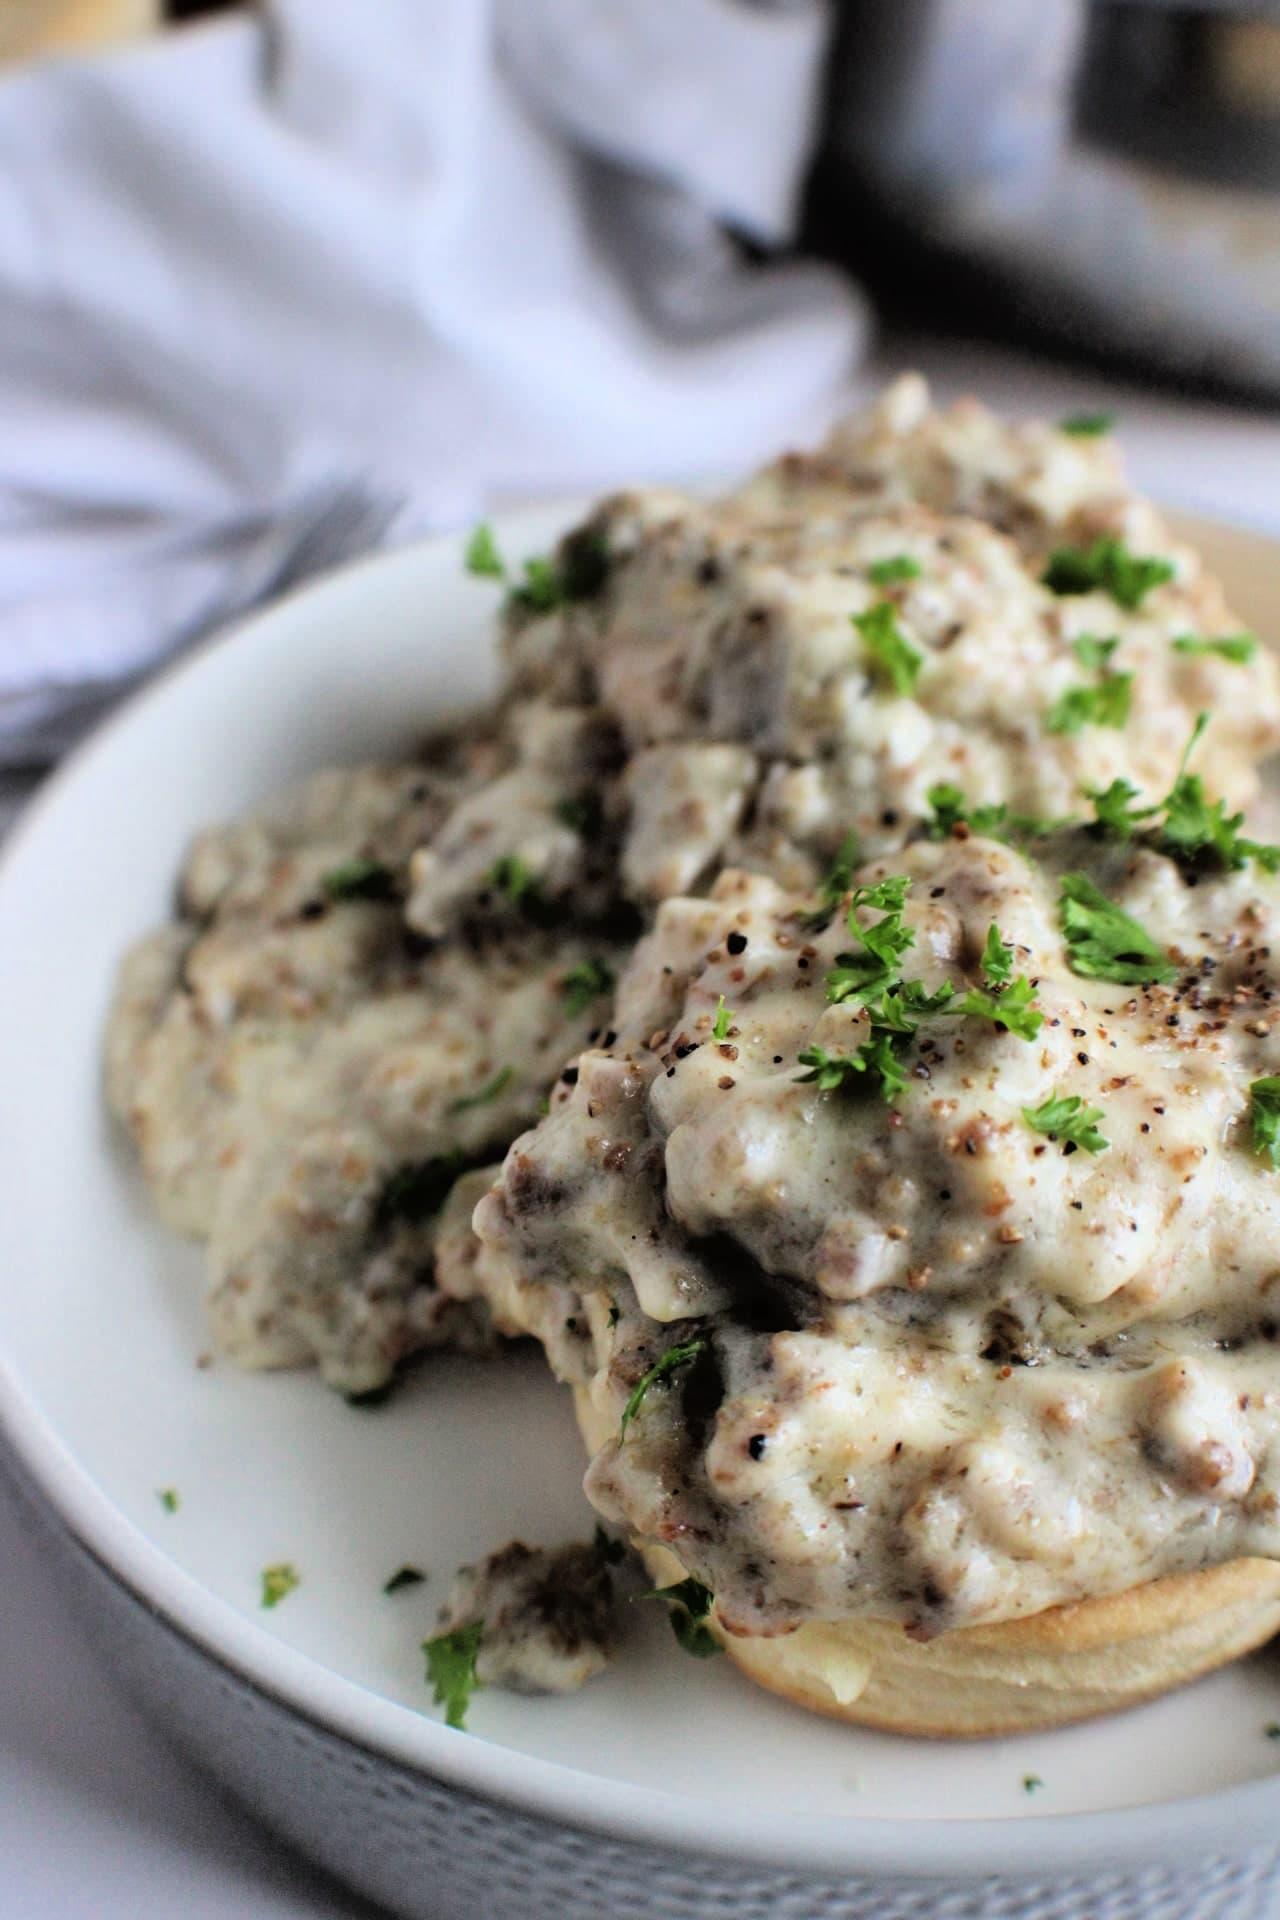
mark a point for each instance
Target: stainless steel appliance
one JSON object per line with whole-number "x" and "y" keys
{"x": 1105, "y": 172}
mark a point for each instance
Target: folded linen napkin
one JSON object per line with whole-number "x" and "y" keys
{"x": 284, "y": 284}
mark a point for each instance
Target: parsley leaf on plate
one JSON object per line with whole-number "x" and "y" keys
{"x": 1013, "y": 1008}
{"x": 278, "y": 1582}
{"x": 1010, "y": 1003}
{"x": 1065, "y": 1117}
{"x": 901, "y": 1007}
{"x": 882, "y": 944}
{"x": 836, "y": 882}
{"x": 683, "y": 1354}
{"x": 577, "y": 572}
{"x": 1239, "y": 648}
{"x": 891, "y": 651}
{"x": 950, "y": 809}
{"x": 831, "y": 1072}
{"x": 690, "y": 1604}
{"x": 482, "y": 556}
{"x": 1196, "y": 827}
{"x": 539, "y": 591}
{"x": 451, "y": 1669}
{"x": 1114, "y": 809}
{"x": 898, "y": 566}
{"x": 1264, "y": 1114}
{"x": 404, "y": 1577}
{"x": 1104, "y": 942}
{"x": 1107, "y": 565}
{"x": 1093, "y": 649}
{"x": 1105, "y": 705}
{"x": 997, "y": 957}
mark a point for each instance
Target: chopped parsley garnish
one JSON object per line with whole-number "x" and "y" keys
{"x": 830, "y": 1072}
{"x": 901, "y": 1007}
{"x": 1264, "y": 1114}
{"x": 612, "y": 1552}
{"x": 882, "y": 896}
{"x": 690, "y": 1604}
{"x": 1065, "y": 1117}
{"x": 882, "y": 944}
{"x": 1106, "y": 705}
{"x": 836, "y": 882}
{"x": 1106, "y": 566}
{"x": 1031, "y": 1783}
{"x": 889, "y": 647}
{"x": 896, "y": 1007}
{"x": 451, "y": 1669}
{"x": 168, "y": 1498}
{"x": 997, "y": 957}
{"x": 585, "y": 983}
{"x": 1013, "y": 1008}
{"x": 511, "y": 877}
{"x": 1195, "y": 827}
{"x": 887, "y": 573}
{"x": 1104, "y": 942}
{"x": 489, "y": 1091}
{"x": 669, "y": 1363}
{"x": 578, "y": 573}
{"x": 404, "y": 1577}
{"x": 1239, "y": 648}
{"x": 358, "y": 880}
{"x": 416, "y": 1191}
{"x": 278, "y": 1582}
{"x": 540, "y": 590}
{"x": 1272, "y": 1730}
{"x": 1012, "y": 1003}
{"x": 1094, "y": 649}
{"x": 1115, "y": 810}
{"x": 482, "y": 556}
{"x": 950, "y": 809}
{"x": 615, "y": 1314}
{"x": 1087, "y": 426}
{"x": 720, "y": 1025}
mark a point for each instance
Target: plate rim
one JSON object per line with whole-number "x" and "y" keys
{"x": 1232, "y": 1819}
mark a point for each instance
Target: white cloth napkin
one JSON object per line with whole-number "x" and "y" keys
{"x": 281, "y": 285}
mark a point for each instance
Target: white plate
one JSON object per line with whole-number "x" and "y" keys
{"x": 101, "y": 1326}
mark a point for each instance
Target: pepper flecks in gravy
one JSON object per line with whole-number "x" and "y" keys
{"x": 974, "y": 1264}
{"x": 911, "y": 1200}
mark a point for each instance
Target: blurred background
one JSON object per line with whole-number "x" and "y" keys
{"x": 282, "y": 283}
